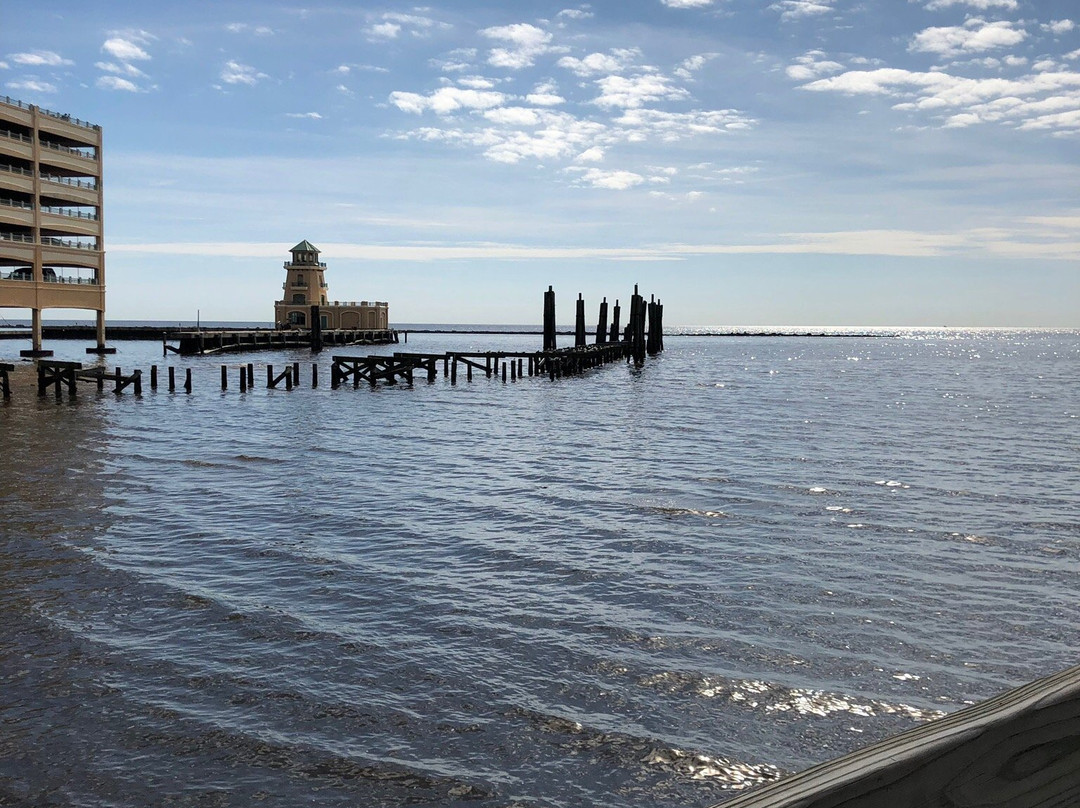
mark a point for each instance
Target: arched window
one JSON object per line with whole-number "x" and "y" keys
{"x": 297, "y": 318}
{"x": 301, "y": 299}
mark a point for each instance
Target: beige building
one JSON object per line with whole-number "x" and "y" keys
{"x": 305, "y": 286}
{"x": 51, "y": 248}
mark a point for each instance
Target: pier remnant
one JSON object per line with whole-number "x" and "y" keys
{"x": 549, "y": 319}
{"x": 579, "y": 322}
{"x": 601, "y": 323}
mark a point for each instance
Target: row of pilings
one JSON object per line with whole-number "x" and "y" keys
{"x": 644, "y": 329}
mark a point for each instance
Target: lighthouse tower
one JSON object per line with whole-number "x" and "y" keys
{"x": 305, "y": 286}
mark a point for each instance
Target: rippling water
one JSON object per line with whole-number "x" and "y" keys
{"x": 633, "y": 588}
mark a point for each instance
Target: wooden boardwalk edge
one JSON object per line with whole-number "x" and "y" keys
{"x": 1018, "y": 750}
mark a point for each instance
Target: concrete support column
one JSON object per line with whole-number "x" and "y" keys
{"x": 35, "y": 330}
{"x": 101, "y": 329}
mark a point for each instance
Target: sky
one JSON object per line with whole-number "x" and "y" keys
{"x": 798, "y": 162}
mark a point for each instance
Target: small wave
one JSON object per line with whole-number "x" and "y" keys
{"x": 891, "y": 484}
{"x": 773, "y": 698}
{"x": 729, "y": 774}
{"x": 665, "y": 511}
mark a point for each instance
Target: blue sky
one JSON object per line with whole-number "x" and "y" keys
{"x": 805, "y": 162}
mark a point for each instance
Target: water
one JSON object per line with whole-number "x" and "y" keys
{"x": 633, "y": 588}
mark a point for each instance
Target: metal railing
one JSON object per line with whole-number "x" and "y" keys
{"x": 288, "y": 264}
{"x": 17, "y": 170}
{"x": 88, "y": 184}
{"x": 14, "y": 102}
{"x": 15, "y": 136}
{"x": 50, "y": 241}
{"x": 76, "y": 152}
{"x": 54, "y": 241}
{"x": 74, "y": 214}
{"x": 17, "y": 203}
{"x": 71, "y": 280}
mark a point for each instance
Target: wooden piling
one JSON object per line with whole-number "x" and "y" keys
{"x": 615, "y": 314}
{"x": 314, "y": 375}
{"x": 153, "y": 377}
{"x": 316, "y": 332}
{"x": 601, "y": 324}
{"x": 224, "y": 377}
{"x": 243, "y": 379}
{"x": 5, "y": 386}
{"x": 579, "y": 322}
{"x": 251, "y": 375}
{"x": 549, "y": 319}
{"x": 296, "y": 371}
{"x": 172, "y": 379}
{"x": 187, "y": 380}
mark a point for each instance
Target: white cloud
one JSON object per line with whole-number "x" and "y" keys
{"x": 673, "y": 126}
{"x": 811, "y": 65}
{"x": 974, "y": 36}
{"x": 574, "y": 14}
{"x": 124, "y": 69}
{"x": 40, "y": 59}
{"x": 446, "y": 100}
{"x": 1058, "y": 27}
{"x": 691, "y": 65}
{"x": 476, "y": 82}
{"x": 513, "y": 116}
{"x": 591, "y": 155}
{"x": 687, "y": 3}
{"x": 384, "y": 30}
{"x": 615, "y": 61}
{"x": 32, "y": 85}
{"x": 525, "y": 43}
{"x": 635, "y": 91}
{"x": 1040, "y": 100}
{"x": 611, "y": 180}
{"x": 980, "y": 5}
{"x": 315, "y": 116}
{"x": 124, "y": 49}
{"x": 116, "y": 83}
{"x": 4, "y": 65}
{"x": 797, "y": 9}
{"x": 236, "y": 73}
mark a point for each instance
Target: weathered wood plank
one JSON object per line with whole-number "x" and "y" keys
{"x": 1018, "y": 750}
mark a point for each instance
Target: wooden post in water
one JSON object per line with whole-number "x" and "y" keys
{"x": 172, "y": 379}
{"x": 549, "y": 319}
{"x": 153, "y": 377}
{"x": 187, "y": 380}
{"x": 601, "y": 324}
{"x": 314, "y": 375}
{"x": 296, "y": 372}
{"x": 579, "y": 323}
{"x": 224, "y": 377}
{"x": 615, "y": 336}
{"x": 251, "y": 375}
{"x": 243, "y": 379}
{"x": 316, "y": 331}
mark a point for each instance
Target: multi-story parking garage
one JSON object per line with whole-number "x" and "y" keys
{"x": 51, "y": 249}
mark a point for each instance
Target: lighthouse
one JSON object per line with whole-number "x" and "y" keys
{"x": 305, "y": 287}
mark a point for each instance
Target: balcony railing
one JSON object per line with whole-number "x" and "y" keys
{"x": 74, "y": 214}
{"x": 16, "y": 136}
{"x": 77, "y": 152}
{"x": 59, "y": 115}
{"x": 49, "y": 276}
{"x": 71, "y": 280}
{"x": 17, "y": 203}
{"x": 89, "y": 184}
{"x": 50, "y": 241}
{"x": 54, "y": 241}
{"x": 291, "y": 264}
{"x": 26, "y": 172}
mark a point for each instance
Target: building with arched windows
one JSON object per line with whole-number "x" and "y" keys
{"x": 305, "y": 286}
